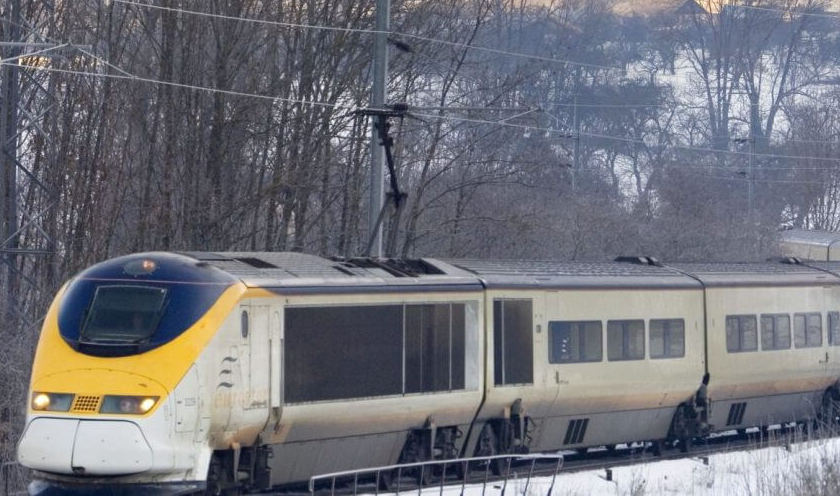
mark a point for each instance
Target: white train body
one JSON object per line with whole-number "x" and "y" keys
{"x": 255, "y": 370}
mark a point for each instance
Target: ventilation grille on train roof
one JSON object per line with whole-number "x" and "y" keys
{"x": 85, "y": 404}
{"x": 393, "y": 266}
{"x": 256, "y": 262}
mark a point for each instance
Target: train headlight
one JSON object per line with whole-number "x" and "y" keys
{"x": 51, "y": 402}
{"x": 128, "y": 405}
{"x": 142, "y": 267}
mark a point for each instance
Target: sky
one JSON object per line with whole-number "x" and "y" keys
{"x": 649, "y": 6}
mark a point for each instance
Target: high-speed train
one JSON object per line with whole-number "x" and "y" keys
{"x": 220, "y": 372}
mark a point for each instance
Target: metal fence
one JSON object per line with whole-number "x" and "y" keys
{"x": 461, "y": 469}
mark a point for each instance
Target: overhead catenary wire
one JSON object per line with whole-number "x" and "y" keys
{"x": 496, "y": 51}
{"x": 349, "y": 108}
{"x": 124, "y": 75}
{"x": 757, "y": 180}
{"x": 131, "y": 77}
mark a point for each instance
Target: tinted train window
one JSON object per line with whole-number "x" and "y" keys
{"x": 667, "y": 338}
{"x": 807, "y": 330}
{"x": 343, "y": 352}
{"x": 741, "y": 333}
{"x": 434, "y": 348}
{"x": 625, "y": 340}
{"x": 834, "y": 328}
{"x": 361, "y": 351}
{"x": 775, "y": 332}
{"x": 572, "y": 342}
{"x": 513, "y": 342}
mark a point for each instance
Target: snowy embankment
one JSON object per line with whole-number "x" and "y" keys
{"x": 808, "y": 468}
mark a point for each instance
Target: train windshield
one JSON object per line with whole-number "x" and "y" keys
{"x": 136, "y": 303}
{"x": 123, "y": 314}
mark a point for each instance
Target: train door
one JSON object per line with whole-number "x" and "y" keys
{"x": 276, "y": 356}
{"x": 832, "y": 355}
{"x": 258, "y": 369}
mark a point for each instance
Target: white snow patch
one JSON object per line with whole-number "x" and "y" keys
{"x": 766, "y": 471}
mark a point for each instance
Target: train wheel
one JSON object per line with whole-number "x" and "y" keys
{"x": 830, "y": 411}
{"x": 488, "y": 445}
{"x": 386, "y": 480}
{"x": 220, "y": 480}
{"x": 656, "y": 447}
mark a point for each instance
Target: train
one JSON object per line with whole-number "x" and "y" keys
{"x": 220, "y": 373}
{"x": 809, "y": 244}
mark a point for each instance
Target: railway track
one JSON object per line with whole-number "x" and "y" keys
{"x": 524, "y": 468}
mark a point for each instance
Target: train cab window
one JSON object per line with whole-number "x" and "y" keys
{"x": 123, "y": 314}
{"x": 775, "y": 331}
{"x": 575, "y": 342}
{"x": 513, "y": 346}
{"x": 741, "y": 333}
{"x": 625, "y": 340}
{"x": 834, "y": 328}
{"x": 667, "y": 338}
{"x": 807, "y": 330}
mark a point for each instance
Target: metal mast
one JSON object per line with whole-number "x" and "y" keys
{"x": 377, "y": 101}
{"x": 24, "y": 105}
{"x": 8, "y": 153}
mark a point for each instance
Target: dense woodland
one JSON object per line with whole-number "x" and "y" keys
{"x": 562, "y": 130}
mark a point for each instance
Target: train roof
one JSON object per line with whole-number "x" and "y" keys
{"x": 552, "y": 274}
{"x": 808, "y": 237}
{"x": 299, "y": 272}
{"x": 786, "y": 272}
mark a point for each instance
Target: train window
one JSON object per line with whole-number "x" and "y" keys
{"x": 123, "y": 314}
{"x": 741, "y": 333}
{"x": 807, "y": 330}
{"x": 834, "y": 328}
{"x": 574, "y": 342}
{"x": 243, "y": 324}
{"x": 625, "y": 340}
{"x": 775, "y": 331}
{"x": 360, "y": 351}
{"x": 343, "y": 352}
{"x": 667, "y": 338}
{"x": 513, "y": 342}
{"x": 459, "y": 347}
{"x": 434, "y": 347}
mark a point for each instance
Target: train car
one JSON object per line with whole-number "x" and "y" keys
{"x": 161, "y": 373}
{"x": 772, "y": 341}
{"x": 819, "y": 246}
{"x": 167, "y": 373}
{"x": 587, "y": 354}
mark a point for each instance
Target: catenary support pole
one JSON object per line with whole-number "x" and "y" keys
{"x": 377, "y": 101}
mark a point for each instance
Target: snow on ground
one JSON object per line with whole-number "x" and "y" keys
{"x": 808, "y": 468}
